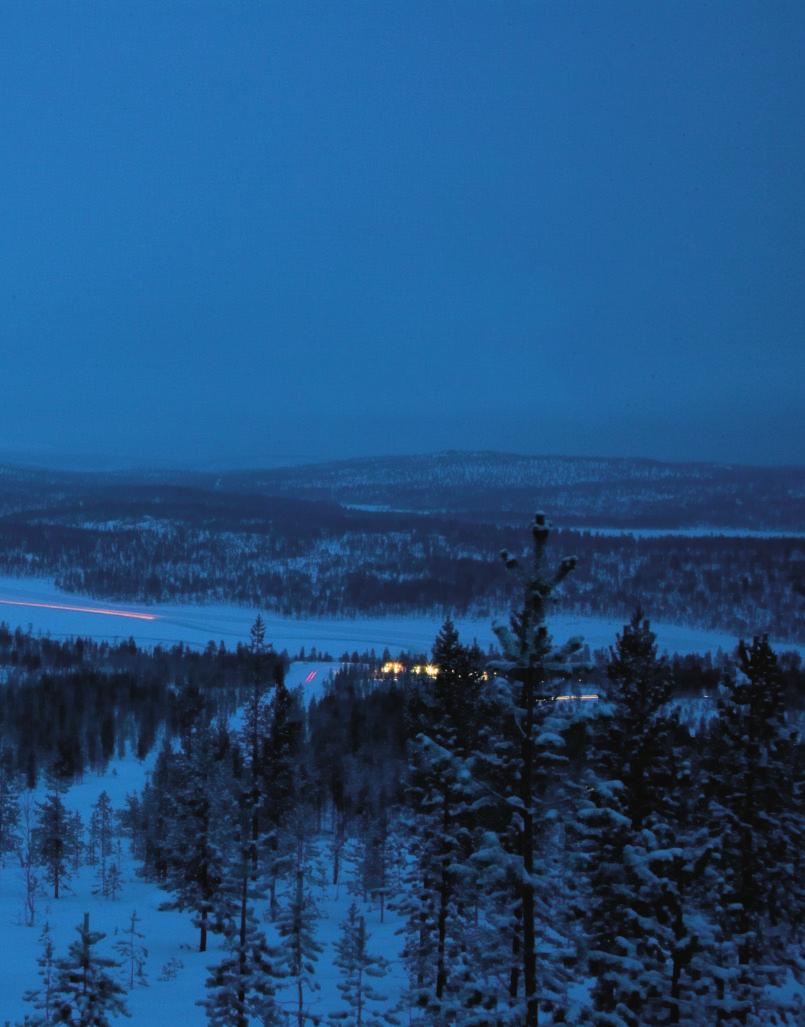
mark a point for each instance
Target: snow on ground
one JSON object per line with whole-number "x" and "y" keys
{"x": 196, "y": 625}
{"x": 312, "y": 678}
{"x": 168, "y": 935}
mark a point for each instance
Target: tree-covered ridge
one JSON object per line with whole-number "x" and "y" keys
{"x": 311, "y": 559}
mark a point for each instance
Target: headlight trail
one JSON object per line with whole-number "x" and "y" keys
{"x": 130, "y": 615}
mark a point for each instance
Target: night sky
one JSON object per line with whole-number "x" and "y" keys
{"x": 251, "y": 233}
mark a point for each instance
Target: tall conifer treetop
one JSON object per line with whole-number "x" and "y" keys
{"x": 532, "y": 669}
{"x": 526, "y": 644}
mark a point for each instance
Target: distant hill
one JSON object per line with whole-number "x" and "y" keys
{"x": 500, "y": 488}
{"x": 576, "y": 491}
{"x": 421, "y": 534}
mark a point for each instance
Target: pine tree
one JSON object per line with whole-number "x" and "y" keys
{"x": 438, "y": 900}
{"x": 28, "y": 854}
{"x": 278, "y": 787}
{"x": 156, "y": 816}
{"x": 359, "y": 968}
{"x": 114, "y": 882}
{"x": 133, "y": 953}
{"x": 101, "y": 829}
{"x": 255, "y": 728}
{"x": 196, "y": 842}
{"x": 444, "y": 719}
{"x": 52, "y": 841}
{"x": 525, "y": 762}
{"x": 297, "y": 929}
{"x": 242, "y": 985}
{"x": 454, "y": 696}
{"x": 75, "y": 840}
{"x": 86, "y": 993}
{"x": 645, "y": 856}
{"x": 43, "y": 998}
{"x": 9, "y": 813}
{"x": 374, "y": 859}
{"x": 756, "y": 822}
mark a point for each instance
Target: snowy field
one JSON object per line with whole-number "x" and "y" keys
{"x": 31, "y": 602}
{"x": 168, "y": 936}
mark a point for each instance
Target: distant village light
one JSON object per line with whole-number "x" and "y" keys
{"x": 396, "y": 667}
{"x": 431, "y": 670}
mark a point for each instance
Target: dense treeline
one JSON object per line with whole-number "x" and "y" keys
{"x": 504, "y": 488}
{"x": 305, "y": 558}
{"x": 70, "y": 706}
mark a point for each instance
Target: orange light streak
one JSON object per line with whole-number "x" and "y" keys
{"x": 80, "y": 609}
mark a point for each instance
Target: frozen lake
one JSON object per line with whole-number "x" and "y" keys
{"x": 37, "y": 603}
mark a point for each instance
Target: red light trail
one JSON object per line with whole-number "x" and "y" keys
{"x": 80, "y": 609}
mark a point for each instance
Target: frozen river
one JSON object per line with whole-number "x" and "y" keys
{"x": 37, "y": 603}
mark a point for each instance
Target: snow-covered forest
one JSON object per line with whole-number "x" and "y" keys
{"x": 183, "y": 836}
{"x": 292, "y": 544}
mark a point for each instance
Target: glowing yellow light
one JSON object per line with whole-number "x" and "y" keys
{"x": 81, "y": 609}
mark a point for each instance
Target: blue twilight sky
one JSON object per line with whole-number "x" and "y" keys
{"x": 259, "y": 232}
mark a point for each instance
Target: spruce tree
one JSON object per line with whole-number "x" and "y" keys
{"x": 645, "y": 857}
{"x": 278, "y": 787}
{"x": 86, "y": 993}
{"x": 195, "y": 847}
{"x": 296, "y": 926}
{"x": 374, "y": 859}
{"x": 242, "y": 985}
{"x": 444, "y": 716}
{"x": 437, "y": 901}
{"x": 754, "y": 786}
{"x": 525, "y": 762}
{"x": 358, "y": 968}
{"x": 43, "y": 998}
{"x": 132, "y": 952}
{"x": 454, "y": 696}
